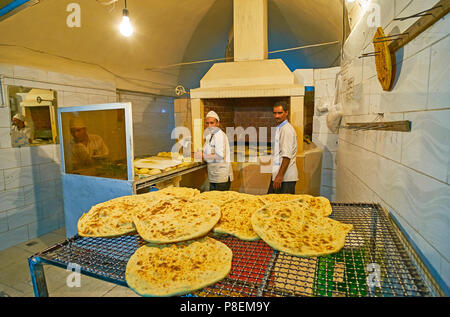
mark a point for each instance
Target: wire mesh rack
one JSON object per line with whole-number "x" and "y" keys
{"x": 376, "y": 260}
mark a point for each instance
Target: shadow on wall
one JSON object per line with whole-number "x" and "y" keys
{"x": 43, "y": 207}
{"x": 399, "y": 56}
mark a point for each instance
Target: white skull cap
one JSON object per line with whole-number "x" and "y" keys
{"x": 213, "y": 114}
{"x": 77, "y": 122}
{"x": 19, "y": 116}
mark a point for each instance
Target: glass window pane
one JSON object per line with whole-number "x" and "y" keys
{"x": 95, "y": 143}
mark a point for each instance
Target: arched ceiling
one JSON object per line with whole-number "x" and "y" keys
{"x": 166, "y": 32}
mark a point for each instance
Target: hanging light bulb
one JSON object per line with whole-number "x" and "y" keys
{"x": 125, "y": 26}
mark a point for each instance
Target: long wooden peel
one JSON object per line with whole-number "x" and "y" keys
{"x": 387, "y": 46}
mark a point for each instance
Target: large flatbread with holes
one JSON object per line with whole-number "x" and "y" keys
{"x": 168, "y": 192}
{"x": 293, "y": 227}
{"x": 320, "y": 204}
{"x": 276, "y": 198}
{"x": 176, "y": 219}
{"x": 111, "y": 218}
{"x": 218, "y": 197}
{"x": 236, "y": 217}
{"x": 177, "y": 269}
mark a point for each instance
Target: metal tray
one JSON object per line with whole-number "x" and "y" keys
{"x": 377, "y": 260}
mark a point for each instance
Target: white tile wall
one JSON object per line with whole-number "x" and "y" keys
{"x": 18, "y": 217}
{"x": 2, "y": 181}
{"x": 9, "y": 158}
{"x": 305, "y": 76}
{"x": 427, "y": 147}
{"x": 12, "y": 198}
{"x": 5, "y": 118}
{"x": 5, "y": 138}
{"x": 3, "y": 221}
{"x": 33, "y": 155}
{"x": 71, "y": 99}
{"x": 439, "y": 91}
{"x": 400, "y": 5}
{"x": 13, "y": 237}
{"x": 410, "y": 91}
{"x": 408, "y": 173}
{"x": 21, "y": 176}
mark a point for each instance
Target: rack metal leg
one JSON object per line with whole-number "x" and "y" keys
{"x": 37, "y": 277}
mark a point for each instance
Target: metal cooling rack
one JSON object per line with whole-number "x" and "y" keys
{"x": 376, "y": 260}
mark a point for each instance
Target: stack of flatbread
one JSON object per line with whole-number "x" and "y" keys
{"x": 165, "y": 266}
{"x": 297, "y": 229}
{"x": 115, "y": 217}
{"x": 179, "y": 258}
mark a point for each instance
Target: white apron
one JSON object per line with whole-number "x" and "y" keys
{"x": 219, "y": 171}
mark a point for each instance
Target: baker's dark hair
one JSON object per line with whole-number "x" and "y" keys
{"x": 282, "y": 104}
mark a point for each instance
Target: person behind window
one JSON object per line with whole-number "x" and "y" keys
{"x": 87, "y": 149}
{"x": 20, "y": 133}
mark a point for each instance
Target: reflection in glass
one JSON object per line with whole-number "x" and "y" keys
{"x": 94, "y": 143}
{"x": 33, "y": 116}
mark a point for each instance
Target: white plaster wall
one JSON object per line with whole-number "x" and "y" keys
{"x": 407, "y": 173}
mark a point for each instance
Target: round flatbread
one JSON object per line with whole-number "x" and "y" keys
{"x": 218, "y": 197}
{"x": 177, "y": 269}
{"x": 176, "y": 192}
{"x": 176, "y": 219}
{"x": 111, "y": 218}
{"x": 236, "y": 217}
{"x": 293, "y": 227}
{"x": 276, "y": 198}
{"x": 320, "y": 204}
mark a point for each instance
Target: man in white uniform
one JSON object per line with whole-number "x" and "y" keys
{"x": 216, "y": 153}
{"x": 21, "y": 134}
{"x": 284, "y": 153}
{"x": 86, "y": 147}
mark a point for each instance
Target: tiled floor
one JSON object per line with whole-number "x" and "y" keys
{"x": 15, "y": 280}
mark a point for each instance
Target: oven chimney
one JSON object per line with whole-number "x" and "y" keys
{"x": 250, "y": 30}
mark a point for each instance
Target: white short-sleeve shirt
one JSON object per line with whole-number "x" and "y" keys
{"x": 285, "y": 145}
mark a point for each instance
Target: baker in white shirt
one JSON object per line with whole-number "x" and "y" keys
{"x": 86, "y": 148}
{"x": 21, "y": 134}
{"x": 216, "y": 153}
{"x": 284, "y": 153}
